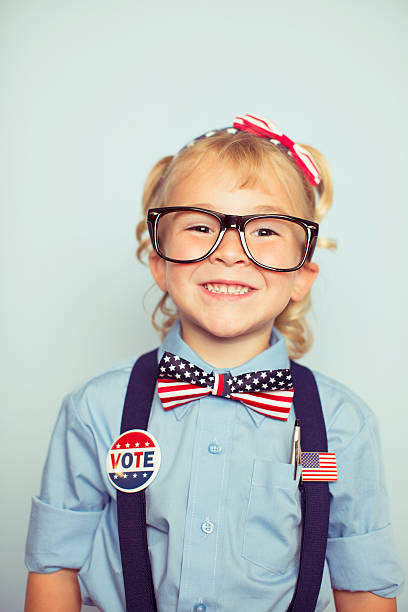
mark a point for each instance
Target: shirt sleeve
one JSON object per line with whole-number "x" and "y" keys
{"x": 65, "y": 516}
{"x": 360, "y": 548}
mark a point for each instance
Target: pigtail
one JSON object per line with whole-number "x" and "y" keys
{"x": 169, "y": 312}
{"x": 150, "y": 199}
{"x": 293, "y": 325}
{"x": 292, "y": 321}
{"x": 152, "y": 194}
{"x": 325, "y": 194}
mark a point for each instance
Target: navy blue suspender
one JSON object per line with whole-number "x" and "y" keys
{"x": 315, "y": 499}
{"x": 137, "y": 573}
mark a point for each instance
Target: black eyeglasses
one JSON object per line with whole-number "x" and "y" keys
{"x": 187, "y": 234}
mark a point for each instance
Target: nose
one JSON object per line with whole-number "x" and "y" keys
{"x": 230, "y": 250}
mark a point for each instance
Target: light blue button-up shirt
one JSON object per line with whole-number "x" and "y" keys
{"x": 223, "y": 514}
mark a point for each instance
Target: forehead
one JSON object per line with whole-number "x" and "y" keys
{"x": 221, "y": 186}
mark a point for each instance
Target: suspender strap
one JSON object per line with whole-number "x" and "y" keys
{"x": 137, "y": 574}
{"x": 315, "y": 497}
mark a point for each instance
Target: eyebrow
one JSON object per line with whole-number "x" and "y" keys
{"x": 261, "y": 208}
{"x": 270, "y": 209}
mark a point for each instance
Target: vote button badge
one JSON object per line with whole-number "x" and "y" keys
{"x": 133, "y": 461}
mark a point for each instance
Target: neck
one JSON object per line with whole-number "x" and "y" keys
{"x": 226, "y": 352}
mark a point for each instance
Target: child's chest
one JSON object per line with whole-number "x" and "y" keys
{"x": 225, "y": 484}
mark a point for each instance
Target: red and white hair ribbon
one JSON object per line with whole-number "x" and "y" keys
{"x": 255, "y": 124}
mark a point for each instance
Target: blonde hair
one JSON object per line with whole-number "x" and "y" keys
{"x": 253, "y": 158}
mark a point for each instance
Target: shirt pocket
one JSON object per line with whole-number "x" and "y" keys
{"x": 272, "y": 529}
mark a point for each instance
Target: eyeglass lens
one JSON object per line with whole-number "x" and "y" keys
{"x": 189, "y": 235}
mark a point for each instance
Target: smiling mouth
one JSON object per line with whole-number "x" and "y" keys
{"x": 227, "y": 289}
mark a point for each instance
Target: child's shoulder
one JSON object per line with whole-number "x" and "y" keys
{"x": 99, "y": 397}
{"x": 111, "y": 375}
{"x": 346, "y": 414}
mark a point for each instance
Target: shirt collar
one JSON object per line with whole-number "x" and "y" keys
{"x": 275, "y": 357}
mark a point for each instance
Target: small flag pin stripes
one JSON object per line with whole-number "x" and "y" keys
{"x": 317, "y": 466}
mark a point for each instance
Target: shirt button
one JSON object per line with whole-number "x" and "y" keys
{"x": 207, "y": 527}
{"x": 200, "y": 607}
{"x": 214, "y": 448}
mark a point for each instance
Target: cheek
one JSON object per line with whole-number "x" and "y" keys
{"x": 280, "y": 282}
{"x": 177, "y": 277}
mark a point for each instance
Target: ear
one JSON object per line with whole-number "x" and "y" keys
{"x": 158, "y": 270}
{"x": 304, "y": 279}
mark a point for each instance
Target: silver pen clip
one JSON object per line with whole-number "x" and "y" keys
{"x": 294, "y": 457}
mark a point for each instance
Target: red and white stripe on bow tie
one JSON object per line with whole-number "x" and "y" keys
{"x": 173, "y": 393}
{"x": 255, "y": 124}
{"x": 274, "y": 404}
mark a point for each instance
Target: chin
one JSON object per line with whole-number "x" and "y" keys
{"x": 227, "y": 329}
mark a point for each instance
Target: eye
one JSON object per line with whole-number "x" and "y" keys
{"x": 202, "y": 229}
{"x": 269, "y": 227}
{"x": 265, "y": 231}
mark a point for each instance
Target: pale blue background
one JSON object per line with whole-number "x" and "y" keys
{"x": 93, "y": 93}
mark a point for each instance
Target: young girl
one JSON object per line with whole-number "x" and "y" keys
{"x": 233, "y": 224}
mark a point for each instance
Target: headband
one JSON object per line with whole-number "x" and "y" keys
{"x": 259, "y": 126}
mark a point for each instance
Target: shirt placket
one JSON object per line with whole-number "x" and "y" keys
{"x": 205, "y": 516}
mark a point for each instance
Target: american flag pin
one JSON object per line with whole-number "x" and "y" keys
{"x": 133, "y": 461}
{"x": 318, "y": 466}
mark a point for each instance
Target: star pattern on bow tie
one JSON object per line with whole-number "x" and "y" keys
{"x": 176, "y": 367}
{"x": 269, "y": 392}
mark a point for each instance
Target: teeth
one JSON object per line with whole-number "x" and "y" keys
{"x": 230, "y": 289}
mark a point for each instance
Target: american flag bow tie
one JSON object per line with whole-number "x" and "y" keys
{"x": 269, "y": 392}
